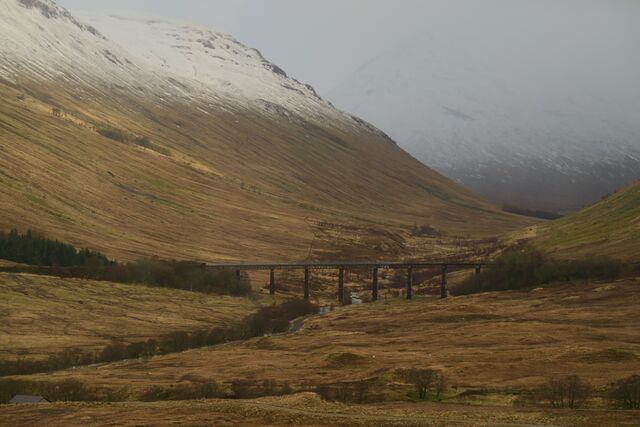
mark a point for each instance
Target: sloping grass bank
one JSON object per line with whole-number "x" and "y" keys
{"x": 523, "y": 268}
{"x": 266, "y": 320}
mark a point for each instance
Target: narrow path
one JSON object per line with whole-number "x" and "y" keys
{"x": 297, "y": 325}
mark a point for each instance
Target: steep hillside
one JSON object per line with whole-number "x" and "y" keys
{"x": 609, "y": 227}
{"x": 107, "y": 150}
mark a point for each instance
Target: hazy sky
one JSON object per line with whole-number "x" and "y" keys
{"x": 323, "y": 42}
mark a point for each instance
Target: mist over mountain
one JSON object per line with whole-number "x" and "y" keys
{"x": 540, "y": 113}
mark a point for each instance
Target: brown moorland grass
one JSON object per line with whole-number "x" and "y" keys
{"x": 303, "y": 409}
{"x": 230, "y": 184}
{"x": 9, "y": 264}
{"x": 41, "y": 316}
{"x": 503, "y": 341}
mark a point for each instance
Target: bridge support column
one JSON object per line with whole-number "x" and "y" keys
{"x": 272, "y": 282}
{"x": 238, "y": 275}
{"x": 306, "y": 283}
{"x": 478, "y": 269}
{"x": 443, "y": 283}
{"x": 374, "y": 285}
{"x": 409, "y": 283}
{"x": 341, "y": 285}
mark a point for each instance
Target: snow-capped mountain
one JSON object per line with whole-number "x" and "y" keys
{"x": 215, "y": 60}
{"x": 43, "y": 41}
{"x": 538, "y": 126}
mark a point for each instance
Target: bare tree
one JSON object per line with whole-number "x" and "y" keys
{"x": 566, "y": 392}
{"x": 441, "y": 385}
{"x": 627, "y": 392}
{"x": 424, "y": 381}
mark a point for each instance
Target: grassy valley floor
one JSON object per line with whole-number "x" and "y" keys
{"x": 44, "y": 315}
{"x": 303, "y": 409}
{"x": 490, "y": 345}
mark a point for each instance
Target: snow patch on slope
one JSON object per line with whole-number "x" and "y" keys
{"x": 215, "y": 60}
{"x": 40, "y": 40}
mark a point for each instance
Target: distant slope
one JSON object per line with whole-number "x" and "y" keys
{"x": 609, "y": 227}
{"x": 106, "y": 150}
{"x": 546, "y": 120}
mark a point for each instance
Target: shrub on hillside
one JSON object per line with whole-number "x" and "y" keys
{"x": 524, "y": 268}
{"x": 362, "y": 391}
{"x": 143, "y": 141}
{"x": 425, "y": 230}
{"x": 113, "y": 133}
{"x": 425, "y": 381}
{"x": 208, "y": 390}
{"x": 250, "y": 389}
{"x": 275, "y": 318}
{"x": 566, "y": 392}
{"x": 626, "y": 392}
